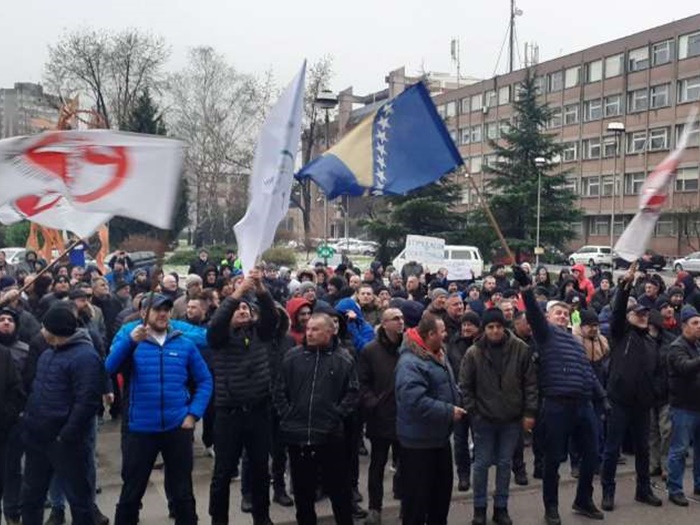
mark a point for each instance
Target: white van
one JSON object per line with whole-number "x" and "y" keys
{"x": 456, "y": 258}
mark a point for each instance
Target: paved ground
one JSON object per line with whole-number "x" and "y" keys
{"x": 526, "y": 506}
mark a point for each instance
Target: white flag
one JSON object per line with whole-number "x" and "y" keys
{"x": 96, "y": 171}
{"x": 273, "y": 174}
{"x": 652, "y": 196}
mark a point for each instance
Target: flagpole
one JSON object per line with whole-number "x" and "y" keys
{"x": 490, "y": 215}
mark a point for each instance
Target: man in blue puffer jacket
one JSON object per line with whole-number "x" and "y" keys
{"x": 360, "y": 330}
{"x": 162, "y": 412}
{"x": 427, "y": 405}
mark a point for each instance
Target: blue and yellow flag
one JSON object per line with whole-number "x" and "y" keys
{"x": 402, "y": 146}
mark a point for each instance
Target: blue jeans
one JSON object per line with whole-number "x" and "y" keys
{"x": 494, "y": 443}
{"x": 463, "y": 460}
{"x": 685, "y": 427}
{"x": 562, "y": 420}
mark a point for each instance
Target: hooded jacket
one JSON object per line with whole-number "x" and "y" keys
{"x": 66, "y": 392}
{"x": 316, "y": 390}
{"x": 684, "y": 374}
{"x": 377, "y": 371}
{"x": 12, "y": 392}
{"x": 690, "y": 290}
{"x": 426, "y": 394}
{"x": 293, "y": 307}
{"x": 585, "y": 286}
{"x": 499, "y": 396}
{"x": 359, "y": 329}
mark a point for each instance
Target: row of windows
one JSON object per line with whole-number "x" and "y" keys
{"x": 600, "y": 226}
{"x": 636, "y": 60}
{"x": 687, "y": 179}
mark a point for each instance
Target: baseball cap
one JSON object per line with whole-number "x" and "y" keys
{"x": 158, "y": 301}
{"x": 637, "y": 308}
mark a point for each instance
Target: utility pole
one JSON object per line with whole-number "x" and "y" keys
{"x": 511, "y": 37}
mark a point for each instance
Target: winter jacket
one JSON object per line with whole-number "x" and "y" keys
{"x": 316, "y": 390}
{"x": 499, "y": 396}
{"x": 456, "y": 348}
{"x": 160, "y": 378}
{"x": 293, "y": 307}
{"x": 601, "y": 298}
{"x": 66, "y": 392}
{"x": 198, "y": 267}
{"x": 426, "y": 394}
{"x": 584, "y": 284}
{"x": 242, "y": 356}
{"x": 359, "y": 329}
{"x": 663, "y": 346}
{"x": 635, "y": 374}
{"x": 598, "y": 353}
{"x": 563, "y": 368}
{"x": 12, "y": 392}
{"x": 377, "y": 370}
{"x": 684, "y": 374}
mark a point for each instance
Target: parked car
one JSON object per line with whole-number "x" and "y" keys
{"x": 650, "y": 259}
{"x": 14, "y": 255}
{"x": 592, "y": 256}
{"x": 356, "y": 246}
{"x": 690, "y": 263}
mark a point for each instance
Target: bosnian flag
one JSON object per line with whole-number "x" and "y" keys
{"x": 633, "y": 241}
{"x": 77, "y": 180}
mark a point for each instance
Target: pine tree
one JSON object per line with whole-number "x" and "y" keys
{"x": 512, "y": 192}
{"x": 146, "y": 118}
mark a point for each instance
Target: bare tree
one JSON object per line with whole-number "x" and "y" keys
{"x": 217, "y": 111}
{"x": 318, "y": 79}
{"x": 111, "y": 69}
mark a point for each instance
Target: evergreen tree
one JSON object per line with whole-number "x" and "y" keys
{"x": 512, "y": 192}
{"x": 146, "y": 118}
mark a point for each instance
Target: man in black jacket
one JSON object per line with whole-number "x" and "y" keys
{"x": 633, "y": 385}
{"x": 316, "y": 390}
{"x": 684, "y": 398}
{"x": 241, "y": 345}
{"x": 499, "y": 385}
{"x": 377, "y": 364}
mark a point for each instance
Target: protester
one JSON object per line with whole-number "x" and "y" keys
{"x": 193, "y": 287}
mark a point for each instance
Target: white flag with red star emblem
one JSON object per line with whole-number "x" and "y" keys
{"x": 77, "y": 180}
{"x": 633, "y": 241}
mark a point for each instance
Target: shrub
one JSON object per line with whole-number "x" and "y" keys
{"x": 141, "y": 243}
{"x": 280, "y": 256}
{"x": 217, "y": 253}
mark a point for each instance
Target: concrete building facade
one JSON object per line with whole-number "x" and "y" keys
{"x": 25, "y": 109}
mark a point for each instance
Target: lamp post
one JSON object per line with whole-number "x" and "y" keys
{"x": 540, "y": 162}
{"x": 618, "y": 128}
{"x": 326, "y": 100}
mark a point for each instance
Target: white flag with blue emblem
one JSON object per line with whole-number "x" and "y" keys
{"x": 273, "y": 174}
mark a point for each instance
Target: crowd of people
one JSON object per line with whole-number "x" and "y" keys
{"x": 291, "y": 371}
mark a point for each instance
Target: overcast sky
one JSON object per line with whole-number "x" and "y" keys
{"x": 367, "y": 38}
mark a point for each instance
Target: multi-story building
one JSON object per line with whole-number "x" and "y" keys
{"x": 649, "y": 82}
{"x": 26, "y": 109}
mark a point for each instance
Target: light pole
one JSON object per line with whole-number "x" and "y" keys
{"x": 540, "y": 162}
{"x": 326, "y": 100}
{"x": 618, "y": 128}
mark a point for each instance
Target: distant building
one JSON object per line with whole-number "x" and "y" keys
{"x": 25, "y": 109}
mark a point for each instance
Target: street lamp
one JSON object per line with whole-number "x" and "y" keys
{"x": 540, "y": 162}
{"x": 618, "y": 128}
{"x": 326, "y": 100}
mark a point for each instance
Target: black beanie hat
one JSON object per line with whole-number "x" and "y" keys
{"x": 471, "y": 317}
{"x": 492, "y": 315}
{"x": 589, "y": 317}
{"x": 60, "y": 320}
{"x": 6, "y": 310}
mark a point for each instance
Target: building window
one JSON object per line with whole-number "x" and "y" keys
{"x": 464, "y": 106}
{"x": 592, "y": 110}
{"x": 591, "y": 186}
{"x": 555, "y": 119}
{"x": 491, "y": 129}
{"x": 662, "y": 53}
{"x": 591, "y": 148}
{"x": 658, "y": 139}
{"x": 594, "y": 71}
{"x": 609, "y": 147}
{"x": 570, "y": 183}
{"x": 687, "y": 179}
{"x": 503, "y": 95}
{"x": 475, "y": 164}
{"x": 441, "y": 111}
{"x": 637, "y": 100}
{"x": 464, "y": 135}
{"x": 466, "y": 195}
{"x": 490, "y": 161}
{"x": 689, "y": 90}
{"x": 693, "y": 139}
{"x": 638, "y": 59}
{"x": 453, "y": 135}
{"x": 539, "y": 84}
{"x": 572, "y": 77}
{"x": 569, "y": 152}
{"x": 476, "y": 134}
{"x": 451, "y": 109}
{"x": 613, "y": 66}
{"x": 503, "y": 127}
{"x": 555, "y": 81}
{"x": 600, "y": 226}
{"x": 571, "y": 114}
{"x": 476, "y": 102}
{"x": 689, "y": 45}
{"x": 636, "y": 142}
{"x": 660, "y": 96}
{"x": 665, "y": 227}
{"x": 490, "y": 99}
{"x": 606, "y": 185}
{"x": 613, "y": 106}
{"x": 633, "y": 183}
